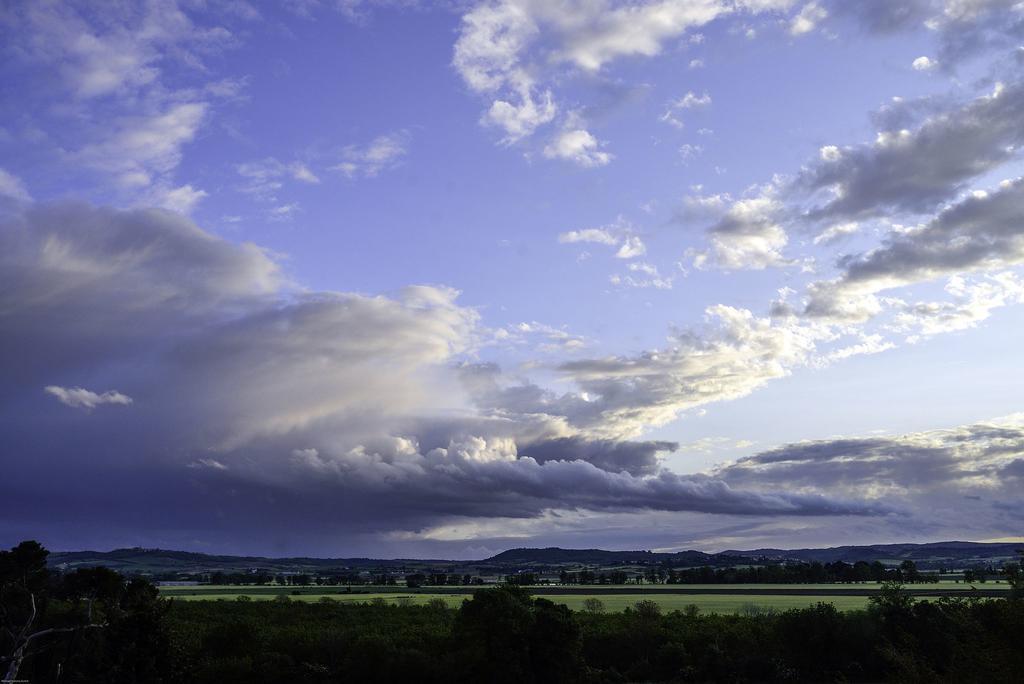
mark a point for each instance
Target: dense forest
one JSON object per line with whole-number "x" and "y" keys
{"x": 93, "y": 625}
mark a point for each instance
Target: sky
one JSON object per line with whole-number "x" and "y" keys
{"x": 409, "y": 279}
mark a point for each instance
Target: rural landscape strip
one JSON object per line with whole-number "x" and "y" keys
{"x": 603, "y": 591}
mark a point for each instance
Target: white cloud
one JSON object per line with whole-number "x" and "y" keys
{"x": 383, "y": 153}
{"x": 487, "y": 56}
{"x": 836, "y": 232}
{"x": 642, "y": 275}
{"x": 490, "y": 42}
{"x": 512, "y": 50}
{"x": 868, "y": 344}
{"x": 671, "y": 119}
{"x": 143, "y": 148}
{"x": 600, "y": 33}
{"x": 631, "y": 248}
{"x": 970, "y": 304}
{"x": 124, "y": 116}
{"x": 119, "y": 52}
{"x": 706, "y": 204}
{"x": 688, "y": 101}
{"x": 284, "y": 212}
{"x": 302, "y": 173}
{"x": 11, "y": 187}
{"x": 808, "y": 18}
{"x": 182, "y": 199}
{"x": 520, "y": 119}
{"x": 691, "y": 101}
{"x": 578, "y": 146}
{"x": 522, "y": 112}
{"x": 924, "y": 64}
{"x": 748, "y": 236}
{"x": 265, "y": 178}
{"x": 552, "y": 339}
{"x": 628, "y": 394}
{"x": 689, "y": 151}
{"x": 599, "y": 235}
{"x": 78, "y": 397}
{"x": 211, "y": 463}
{"x": 643, "y": 267}
{"x": 830, "y": 153}
{"x": 619, "y": 234}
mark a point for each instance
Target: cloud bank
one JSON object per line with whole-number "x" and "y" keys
{"x": 245, "y": 398}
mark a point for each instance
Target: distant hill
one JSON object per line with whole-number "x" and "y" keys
{"x": 558, "y": 556}
{"x": 153, "y": 561}
{"x": 958, "y": 552}
{"x": 926, "y": 555}
{"x": 139, "y": 560}
{"x": 555, "y": 555}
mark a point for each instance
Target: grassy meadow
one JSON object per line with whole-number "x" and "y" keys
{"x": 744, "y": 600}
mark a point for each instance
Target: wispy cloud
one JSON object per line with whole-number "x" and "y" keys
{"x": 620, "y": 234}
{"x": 78, "y": 397}
{"x": 142, "y": 148}
{"x": 11, "y": 187}
{"x": 381, "y": 154}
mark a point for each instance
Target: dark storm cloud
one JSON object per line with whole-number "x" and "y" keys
{"x": 271, "y": 486}
{"x": 901, "y": 113}
{"x": 979, "y": 27}
{"x": 984, "y": 231}
{"x": 245, "y": 402}
{"x": 842, "y": 462}
{"x": 965, "y": 479}
{"x": 964, "y": 28}
{"x": 981, "y": 230}
{"x": 916, "y": 170}
{"x": 82, "y": 287}
{"x": 969, "y": 457}
{"x": 816, "y": 452}
{"x": 1014, "y": 469}
{"x": 885, "y": 16}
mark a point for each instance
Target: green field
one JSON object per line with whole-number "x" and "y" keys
{"x": 219, "y": 590}
{"x": 723, "y": 604}
{"x": 745, "y": 596}
{"x": 707, "y": 604}
{"x": 830, "y": 586}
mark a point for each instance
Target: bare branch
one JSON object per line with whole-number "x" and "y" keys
{"x": 21, "y": 652}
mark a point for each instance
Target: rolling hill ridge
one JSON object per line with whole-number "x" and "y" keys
{"x": 930, "y": 555}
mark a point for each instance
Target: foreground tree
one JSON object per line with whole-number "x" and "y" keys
{"x": 87, "y": 625}
{"x": 23, "y": 599}
{"x": 507, "y": 636}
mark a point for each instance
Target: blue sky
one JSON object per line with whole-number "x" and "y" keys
{"x": 395, "y": 278}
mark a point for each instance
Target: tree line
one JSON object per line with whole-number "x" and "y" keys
{"x": 336, "y": 578}
{"x": 781, "y": 573}
{"x": 789, "y": 573}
